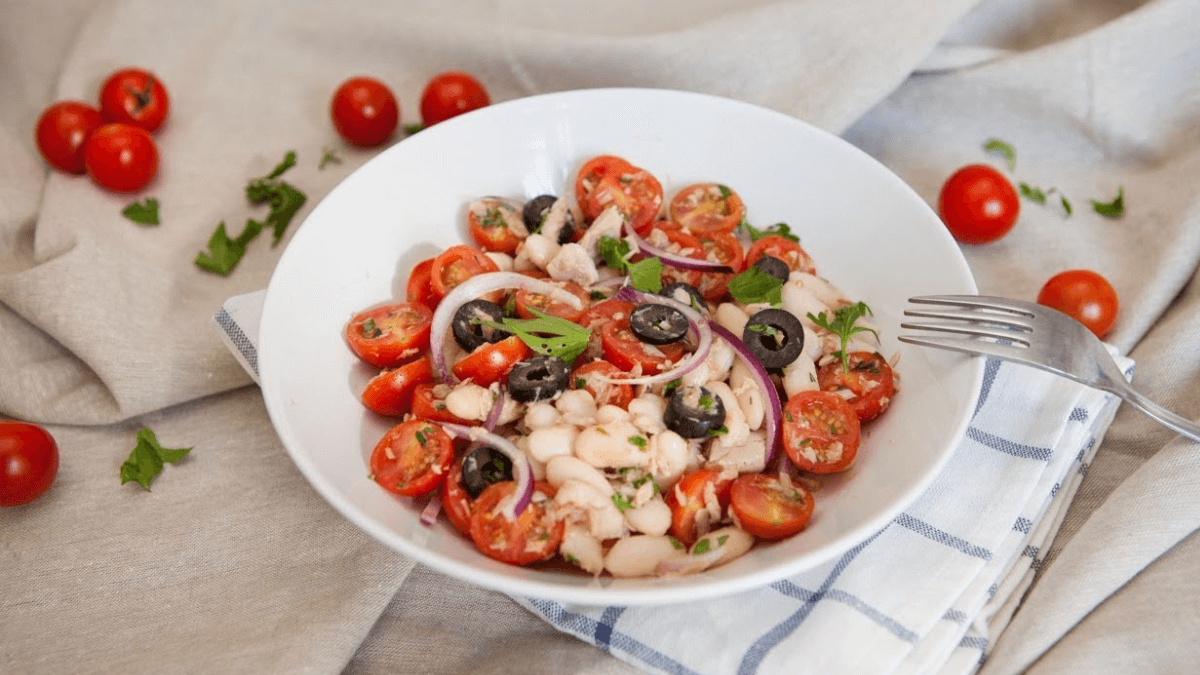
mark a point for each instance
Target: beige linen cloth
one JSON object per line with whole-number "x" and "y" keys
{"x": 232, "y": 563}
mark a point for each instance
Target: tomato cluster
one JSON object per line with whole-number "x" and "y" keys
{"x": 366, "y": 113}
{"x": 113, "y": 143}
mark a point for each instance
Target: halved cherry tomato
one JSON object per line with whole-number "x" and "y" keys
{"x": 412, "y": 458}
{"x": 389, "y": 335}
{"x": 456, "y": 502}
{"x": 391, "y": 392}
{"x": 606, "y": 180}
{"x": 490, "y": 362}
{"x": 420, "y": 285}
{"x": 1085, "y": 296}
{"x": 528, "y": 300}
{"x": 612, "y": 393}
{"x": 869, "y": 378}
{"x": 427, "y": 405}
{"x": 535, "y": 535}
{"x": 707, "y": 208}
{"x": 489, "y": 227}
{"x": 681, "y": 243}
{"x": 722, "y": 248}
{"x": 598, "y": 314}
{"x": 821, "y": 433}
{"x": 625, "y": 351}
{"x": 449, "y": 95}
{"x": 457, "y": 264}
{"x": 766, "y": 508}
{"x": 134, "y": 96}
{"x": 690, "y": 517}
{"x": 61, "y": 132}
{"x": 776, "y": 246}
{"x": 978, "y": 204}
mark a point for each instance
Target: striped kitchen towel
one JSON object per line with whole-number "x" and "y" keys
{"x": 929, "y": 593}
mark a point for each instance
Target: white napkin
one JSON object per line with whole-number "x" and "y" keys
{"x": 929, "y": 593}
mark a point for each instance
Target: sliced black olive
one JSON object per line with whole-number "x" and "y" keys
{"x": 693, "y": 412}
{"x": 693, "y": 297}
{"x": 658, "y": 324}
{"x": 469, "y": 333}
{"x": 774, "y": 266}
{"x": 538, "y": 378}
{"x": 775, "y": 337}
{"x": 482, "y": 466}
{"x": 534, "y": 214}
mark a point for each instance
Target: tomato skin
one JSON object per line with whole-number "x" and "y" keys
{"x": 135, "y": 96}
{"x": 391, "y": 392}
{"x": 723, "y": 248}
{"x": 420, "y": 285}
{"x": 625, "y": 351}
{"x": 389, "y": 335}
{"x": 816, "y": 421}
{"x": 451, "y": 94}
{"x": 777, "y": 246}
{"x": 456, "y": 502}
{"x": 766, "y": 508}
{"x": 28, "y": 462}
{"x": 427, "y": 406}
{"x": 532, "y": 537}
{"x": 870, "y": 377}
{"x": 707, "y": 209}
{"x": 686, "y": 500}
{"x": 978, "y": 204}
{"x": 121, "y": 157}
{"x": 491, "y": 362}
{"x": 608, "y": 180}
{"x": 62, "y": 130}
{"x": 457, "y": 264}
{"x": 412, "y": 458}
{"x": 1085, "y": 296}
{"x": 605, "y": 393}
{"x": 364, "y": 111}
{"x": 527, "y": 301}
{"x": 490, "y": 231}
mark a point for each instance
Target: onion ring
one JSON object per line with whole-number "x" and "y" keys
{"x": 673, "y": 259}
{"x": 514, "y": 504}
{"x": 696, "y": 322}
{"x": 774, "y": 418}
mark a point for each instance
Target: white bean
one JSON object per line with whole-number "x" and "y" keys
{"x": 646, "y": 412}
{"x": 800, "y": 375}
{"x": 502, "y": 260}
{"x": 562, "y": 468}
{"x": 540, "y": 414}
{"x": 714, "y": 367}
{"x": 800, "y": 302}
{"x": 608, "y": 413}
{"x": 576, "y": 407}
{"x": 639, "y": 555}
{"x": 582, "y": 502}
{"x": 580, "y": 547}
{"x": 749, "y": 394}
{"x": 669, "y": 456}
{"x": 470, "y": 401}
{"x": 731, "y": 541}
{"x": 608, "y": 446}
{"x": 818, "y": 287}
{"x": 749, "y": 456}
{"x": 547, "y": 443}
{"x": 731, "y": 317}
{"x": 653, "y": 517}
{"x": 540, "y": 250}
{"x": 735, "y": 420}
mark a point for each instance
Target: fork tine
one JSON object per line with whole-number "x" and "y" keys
{"x": 968, "y": 345}
{"x": 980, "y": 302}
{"x": 1011, "y": 321}
{"x": 973, "y": 330}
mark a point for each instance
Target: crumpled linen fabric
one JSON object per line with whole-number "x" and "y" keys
{"x": 233, "y": 564}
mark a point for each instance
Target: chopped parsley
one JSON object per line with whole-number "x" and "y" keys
{"x": 1033, "y": 194}
{"x": 719, "y": 431}
{"x": 370, "y": 329}
{"x": 676, "y": 543}
{"x": 645, "y": 275}
{"x": 1010, "y": 153}
{"x": 328, "y": 157}
{"x": 1113, "y": 209}
{"x": 596, "y": 295}
{"x": 706, "y": 401}
{"x": 754, "y": 286}
{"x": 580, "y": 383}
{"x": 639, "y": 441}
{"x": 843, "y": 325}
{"x": 146, "y": 460}
{"x": 703, "y": 546}
{"x": 145, "y": 212}
{"x": 622, "y": 502}
{"x": 778, "y": 229}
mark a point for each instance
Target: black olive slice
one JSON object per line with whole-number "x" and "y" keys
{"x": 469, "y": 333}
{"x": 694, "y": 411}
{"x": 536, "y": 211}
{"x": 538, "y": 378}
{"x": 658, "y": 324}
{"x": 692, "y": 298}
{"x": 774, "y": 266}
{"x": 482, "y": 466}
{"x": 775, "y": 337}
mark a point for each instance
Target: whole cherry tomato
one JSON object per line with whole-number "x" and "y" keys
{"x": 978, "y": 204}
{"x": 28, "y": 462}
{"x": 1084, "y": 295}
{"x": 451, "y": 94}
{"x": 364, "y": 111}
{"x": 121, "y": 157}
{"x": 134, "y": 96}
{"x": 61, "y": 132}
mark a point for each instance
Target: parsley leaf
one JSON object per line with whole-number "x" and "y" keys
{"x": 843, "y": 326}
{"x": 145, "y": 212}
{"x": 223, "y": 253}
{"x": 546, "y": 334}
{"x": 1066, "y": 205}
{"x": 411, "y": 129}
{"x": 778, "y": 229}
{"x": 1010, "y": 153}
{"x": 1032, "y": 193}
{"x": 1113, "y": 209}
{"x": 645, "y": 275}
{"x": 703, "y": 546}
{"x": 622, "y": 502}
{"x": 613, "y": 251}
{"x": 639, "y": 441}
{"x": 146, "y": 460}
{"x": 755, "y": 285}
{"x": 328, "y": 157}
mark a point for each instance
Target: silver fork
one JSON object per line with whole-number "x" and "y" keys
{"x": 1032, "y": 334}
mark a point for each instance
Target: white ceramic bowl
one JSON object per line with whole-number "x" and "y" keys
{"x": 868, "y": 232}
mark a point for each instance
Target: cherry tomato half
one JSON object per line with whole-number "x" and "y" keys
{"x": 427, "y": 405}
{"x": 607, "y": 180}
{"x": 768, "y": 509}
{"x": 61, "y": 132}
{"x": 391, "y": 391}
{"x": 389, "y": 335}
{"x": 821, "y": 432}
{"x": 869, "y": 378}
{"x": 412, "y": 458}
{"x": 624, "y": 350}
{"x": 777, "y": 246}
{"x": 978, "y": 204}
{"x": 420, "y": 285}
{"x": 605, "y": 393}
{"x": 1085, "y": 296}
{"x": 121, "y": 157}
{"x": 722, "y": 248}
{"x": 457, "y": 264}
{"x": 535, "y": 535}
{"x": 490, "y": 224}
{"x": 134, "y": 96}
{"x": 679, "y": 242}
{"x": 364, "y": 111}
{"x": 707, "y": 208}
{"x": 491, "y": 361}
{"x": 451, "y": 94}
{"x": 527, "y": 301}
{"x": 456, "y": 501}
{"x": 689, "y": 512}
{"x": 28, "y": 462}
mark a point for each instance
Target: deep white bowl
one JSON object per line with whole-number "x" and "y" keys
{"x": 867, "y": 230}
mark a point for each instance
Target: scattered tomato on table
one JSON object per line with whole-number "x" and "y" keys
{"x": 62, "y": 130}
{"x": 28, "y": 462}
{"x": 978, "y": 204}
{"x": 135, "y": 96}
{"x": 1084, "y": 295}
{"x": 451, "y": 94}
{"x": 121, "y": 157}
{"x": 364, "y": 111}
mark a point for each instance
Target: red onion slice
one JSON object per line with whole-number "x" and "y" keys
{"x": 673, "y": 259}
{"x": 429, "y": 514}
{"x": 696, "y": 322}
{"x": 472, "y": 288}
{"x": 774, "y": 418}
{"x": 514, "y": 504}
{"x": 494, "y": 414}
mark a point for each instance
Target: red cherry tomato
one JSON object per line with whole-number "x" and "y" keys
{"x": 134, "y": 96}
{"x": 535, "y": 535}
{"x": 490, "y": 362}
{"x": 420, "y": 285}
{"x": 605, "y": 393}
{"x": 785, "y": 249}
{"x": 821, "y": 432}
{"x": 28, "y": 462}
{"x": 1085, "y": 296}
{"x": 412, "y": 458}
{"x": 978, "y": 204}
{"x": 722, "y": 248}
{"x": 391, "y": 392}
{"x": 707, "y": 209}
{"x": 606, "y": 180}
{"x": 427, "y": 405}
{"x": 689, "y": 514}
{"x": 768, "y": 509}
{"x": 456, "y": 501}
{"x": 121, "y": 157}
{"x": 624, "y": 350}
{"x": 364, "y": 111}
{"x": 680, "y": 243}
{"x": 527, "y": 301}
{"x": 457, "y": 264}
{"x": 489, "y": 225}
{"x": 869, "y": 379}
{"x": 61, "y": 132}
{"x": 389, "y": 335}
{"x": 451, "y": 94}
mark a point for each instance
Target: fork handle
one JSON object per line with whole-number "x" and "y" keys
{"x": 1162, "y": 415}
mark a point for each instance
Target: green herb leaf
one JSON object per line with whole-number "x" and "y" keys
{"x": 676, "y": 543}
{"x": 769, "y": 331}
{"x": 843, "y": 325}
{"x": 622, "y": 502}
{"x": 613, "y": 251}
{"x": 646, "y": 275}
{"x": 725, "y": 191}
{"x": 722, "y": 539}
{"x": 289, "y": 160}
{"x": 580, "y": 383}
{"x": 328, "y": 157}
{"x": 719, "y": 431}
{"x": 639, "y": 441}
{"x": 755, "y": 285}
{"x": 703, "y": 546}
{"x": 146, "y": 460}
{"x": 778, "y": 229}
{"x": 411, "y": 129}
{"x": 224, "y": 253}
{"x": 1066, "y": 205}
{"x": 1113, "y": 209}
{"x": 145, "y": 212}
{"x": 596, "y": 296}
{"x": 1032, "y": 193}
{"x": 997, "y": 145}
{"x": 549, "y": 335}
